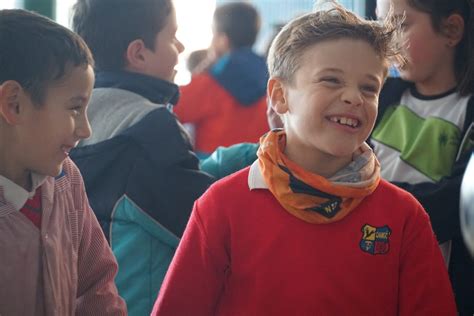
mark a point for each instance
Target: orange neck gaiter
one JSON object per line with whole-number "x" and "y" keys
{"x": 311, "y": 197}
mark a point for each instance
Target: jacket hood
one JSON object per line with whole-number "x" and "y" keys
{"x": 158, "y": 134}
{"x": 243, "y": 74}
{"x": 154, "y": 89}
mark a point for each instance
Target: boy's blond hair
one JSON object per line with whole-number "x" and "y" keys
{"x": 336, "y": 23}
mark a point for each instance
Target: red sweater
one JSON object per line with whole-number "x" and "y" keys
{"x": 243, "y": 254}
{"x": 218, "y": 117}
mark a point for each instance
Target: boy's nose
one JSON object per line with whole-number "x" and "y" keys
{"x": 352, "y": 96}
{"x": 83, "y": 130}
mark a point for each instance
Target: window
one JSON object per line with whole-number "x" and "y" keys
{"x": 11, "y": 4}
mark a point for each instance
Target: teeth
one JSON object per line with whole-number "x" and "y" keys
{"x": 345, "y": 121}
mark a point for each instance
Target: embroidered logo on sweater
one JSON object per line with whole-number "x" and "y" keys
{"x": 375, "y": 240}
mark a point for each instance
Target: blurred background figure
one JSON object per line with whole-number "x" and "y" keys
{"x": 195, "y": 61}
{"x": 231, "y": 88}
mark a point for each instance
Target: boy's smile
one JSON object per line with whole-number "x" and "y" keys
{"x": 352, "y": 122}
{"x": 330, "y": 107}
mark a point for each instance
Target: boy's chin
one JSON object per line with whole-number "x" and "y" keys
{"x": 56, "y": 171}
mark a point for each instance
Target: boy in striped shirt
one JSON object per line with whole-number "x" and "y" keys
{"x": 54, "y": 257}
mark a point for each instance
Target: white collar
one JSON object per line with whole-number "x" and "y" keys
{"x": 15, "y": 194}
{"x": 255, "y": 179}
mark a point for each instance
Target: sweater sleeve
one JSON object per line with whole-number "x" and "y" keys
{"x": 97, "y": 267}
{"x": 196, "y": 277}
{"x": 424, "y": 286}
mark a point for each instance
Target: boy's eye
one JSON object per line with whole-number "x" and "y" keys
{"x": 371, "y": 89}
{"x": 333, "y": 80}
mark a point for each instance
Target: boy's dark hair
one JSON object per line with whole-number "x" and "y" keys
{"x": 35, "y": 51}
{"x": 109, "y": 26}
{"x": 463, "y": 63}
{"x": 336, "y": 23}
{"x": 239, "y": 21}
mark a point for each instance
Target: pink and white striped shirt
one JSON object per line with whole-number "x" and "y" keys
{"x": 66, "y": 268}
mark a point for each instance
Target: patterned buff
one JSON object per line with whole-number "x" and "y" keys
{"x": 311, "y": 197}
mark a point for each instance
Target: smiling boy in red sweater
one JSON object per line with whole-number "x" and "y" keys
{"x": 310, "y": 228}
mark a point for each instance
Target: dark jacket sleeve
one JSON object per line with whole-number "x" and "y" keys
{"x": 441, "y": 201}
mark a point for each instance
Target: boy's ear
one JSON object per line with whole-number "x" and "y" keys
{"x": 453, "y": 29}
{"x": 276, "y": 91}
{"x": 10, "y": 101}
{"x": 135, "y": 55}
